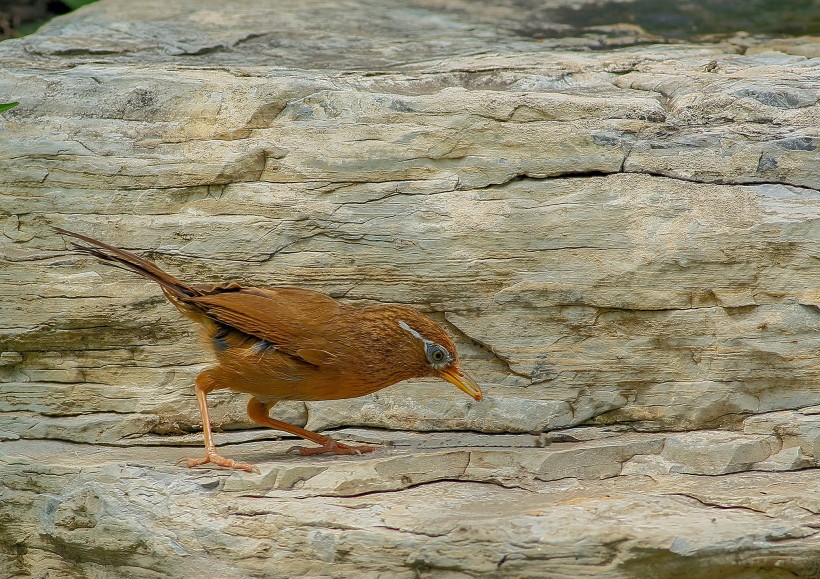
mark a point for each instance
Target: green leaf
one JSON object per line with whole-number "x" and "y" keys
{"x": 6, "y": 106}
{"x": 74, "y": 4}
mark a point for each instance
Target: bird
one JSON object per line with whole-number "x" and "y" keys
{"x": 290, "y": 343}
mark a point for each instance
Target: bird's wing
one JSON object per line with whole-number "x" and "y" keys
{"x": 296, "y": 321}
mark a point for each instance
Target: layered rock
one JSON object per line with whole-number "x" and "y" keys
{"x": 623, "y": 244}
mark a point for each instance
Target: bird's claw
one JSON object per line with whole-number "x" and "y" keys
{"x": 332, "y": 447}
{"x": 218, "y": 460}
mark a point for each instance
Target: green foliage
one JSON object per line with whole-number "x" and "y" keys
{"x": 692, "y": 18}
{"x": 30, "y": 24}
{"x": 74, "y": 4}
{"x": 6, "y": 106}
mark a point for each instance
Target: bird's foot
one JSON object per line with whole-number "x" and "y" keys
{"x": 218, "y": 460}
{"x": 333, "y": 447}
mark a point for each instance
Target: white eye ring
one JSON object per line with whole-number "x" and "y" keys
{"x": 437, "y": 356}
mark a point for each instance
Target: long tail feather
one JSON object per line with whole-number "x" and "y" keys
{"x": 110, "y": 255}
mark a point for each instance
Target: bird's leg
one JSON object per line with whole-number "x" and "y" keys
{"x": 204, "y": 384}
{"x": 258, "y": 412}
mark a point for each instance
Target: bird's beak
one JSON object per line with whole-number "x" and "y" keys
{"x": 462, "y": 381}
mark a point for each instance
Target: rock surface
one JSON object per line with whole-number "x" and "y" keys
{"x": 607, "y": 504}
{"x": 624, "y": 244}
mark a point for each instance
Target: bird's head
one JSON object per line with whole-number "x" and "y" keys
{"x": 434, "y": 353}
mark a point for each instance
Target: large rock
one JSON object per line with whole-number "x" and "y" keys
{"x": 624, "y": 240}
{"x": 494, "y": 507}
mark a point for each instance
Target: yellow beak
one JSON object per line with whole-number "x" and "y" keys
{"x": 462, "y": 381}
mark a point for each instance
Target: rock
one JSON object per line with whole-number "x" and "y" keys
{"x": 99, "y": 509}
{"x": 622, "y": 243}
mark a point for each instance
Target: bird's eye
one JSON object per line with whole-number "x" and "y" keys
{"x": 438, "y": 356}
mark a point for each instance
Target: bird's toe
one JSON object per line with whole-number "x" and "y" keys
{"x": 218, "y": 460}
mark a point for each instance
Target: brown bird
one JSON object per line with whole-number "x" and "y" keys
{"x": 287, "y": 343}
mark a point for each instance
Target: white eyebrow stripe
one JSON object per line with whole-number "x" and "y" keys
{"x": 403, "y": 325}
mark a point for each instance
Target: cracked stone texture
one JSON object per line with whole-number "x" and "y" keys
{"x": 607, "y": 504}
{"x": 624, "y": 244}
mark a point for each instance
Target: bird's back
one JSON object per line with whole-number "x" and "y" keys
{"x": 291, "y": 343}
{"x": 284, "y": 342}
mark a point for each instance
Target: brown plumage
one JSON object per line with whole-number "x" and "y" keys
{"x": 296, "y": 344}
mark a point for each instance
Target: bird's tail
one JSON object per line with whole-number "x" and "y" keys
{"x": 175, "y": 290}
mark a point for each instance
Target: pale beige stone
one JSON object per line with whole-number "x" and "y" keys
{"x": 623, "y": 244}
{"x": 97, "y": 510}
